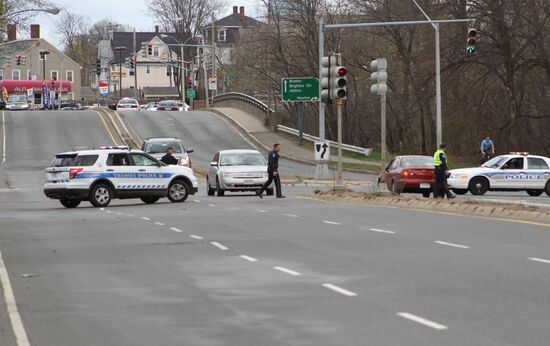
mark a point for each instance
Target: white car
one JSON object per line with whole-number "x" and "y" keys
{"x": 98, "y": 176}
{"x": 236, "y": 170}
{"x": 17, "y": 103}
{"x": 183, "y": 107}
{"x": 127, "y": 104}
{"x": 513, "y": 172}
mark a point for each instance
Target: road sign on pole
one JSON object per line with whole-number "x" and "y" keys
{"x": 190, "y": 93}
{"x": 103, "y": 89}
{"x": 300, "y": 89}
{"x": 322, "y": 151}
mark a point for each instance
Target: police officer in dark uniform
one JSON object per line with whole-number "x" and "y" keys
{"x": 441, "y": 189}
{"x": 273, "y": 172}
{"x": 169, "y": 158}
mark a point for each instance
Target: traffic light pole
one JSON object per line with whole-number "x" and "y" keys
{"x": 384, "y": 148}
{"x": 321, "y": 171}
{"x": 434, "y": 23}
{"x": 340, "y": 181}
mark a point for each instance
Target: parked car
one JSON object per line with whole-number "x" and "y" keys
{"x": 236, "y": 170}
{"x": 183, "y": 107}
{"x": 168, "y": 106}
{"x": 17, "y": 102}
{"x": 412, "y": 174}
{"x": 127, "y": 104}
{"x": 157, "y": 146}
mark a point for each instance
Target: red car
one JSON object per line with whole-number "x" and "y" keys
{"x": 413, "y": 174}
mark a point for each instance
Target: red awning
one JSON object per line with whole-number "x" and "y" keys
{"x": 21, "y": 86}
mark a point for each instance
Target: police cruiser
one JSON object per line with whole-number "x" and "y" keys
{"x": 513, "y": 172}
{"x": 100, "y": 175}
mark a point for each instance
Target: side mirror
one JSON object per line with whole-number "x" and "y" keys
{"x": 189, "y": 151}
{"x": 214, "y": 164}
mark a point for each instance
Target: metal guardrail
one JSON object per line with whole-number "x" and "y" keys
{"x": 346, "y": 147}
{"x": 242, "y": 98}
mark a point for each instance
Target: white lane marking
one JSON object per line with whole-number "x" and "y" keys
{"x": 451, "y": 244}
{"x": 196, "y": 201}
{"x": 262, "y": 211}
{"x": 102, "y": 209}
{"x": 195, "y": 236}
{"x": 108, "y": 211}
{"x": 119, "y": 213}
{"x": 234, "y": 208}
{"x": 248, "y": 258}
{"x": 3, "y": 137}
{"x": 340, "y": 290}
{"x": 218, "y": 245}
{"x": 539, "y": 260}
{"x": 145, "y": 218}
{"x": 331, "y": 222}
{"x": 381, "y": 230}
{"x": 290, "y": 215}
{"x": 423, "y": 321}
{"x": 11, "y": 305}
{"x": 176, "y": 229}
{"x": 159, "y": 223}
{"x": 288, "y": 271}
{"x": 211, "y": 205}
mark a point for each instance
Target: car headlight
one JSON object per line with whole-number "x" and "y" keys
{"x": 265, "y": 175}
{"x": 228, "y": 174}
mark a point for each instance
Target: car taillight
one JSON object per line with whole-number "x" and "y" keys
{"x": 407, "y": 173}
{"x": 74, "y": 171}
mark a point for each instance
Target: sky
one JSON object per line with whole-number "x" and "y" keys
{"x": 130, "y": 12}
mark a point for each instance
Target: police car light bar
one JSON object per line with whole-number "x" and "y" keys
{"x": 522, "y": 153}
{"x": 120, "y": 147}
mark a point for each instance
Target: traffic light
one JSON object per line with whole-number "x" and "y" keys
{"x": 132, "y": 62}
{"x": 472, "y": 38}
{"x": 143, "y": 50}
{"x": 190, "y": 81}
{"x": 379, "y": 76}
{"x": 327, "y": 62}
{"x": 98, "y": 66}
{"x": 339, "y": 82}
{"x": 23, "y": 60}
{"x": 127, "y": 62}
{"x": 149, "y": 49}
{"x": 18, "y": 60}
{"x": 168, "y": 70}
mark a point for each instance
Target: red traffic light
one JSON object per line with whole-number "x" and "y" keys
{"x": 342, "y": 71}
{"x": 471, "y": 41}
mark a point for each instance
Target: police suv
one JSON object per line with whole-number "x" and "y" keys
{"x": 100, "y": 175}
{"x": 513, "y": 172}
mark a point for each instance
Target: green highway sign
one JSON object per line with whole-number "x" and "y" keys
{"x": 191, "y": 93}
{"x": 300, "y": 89}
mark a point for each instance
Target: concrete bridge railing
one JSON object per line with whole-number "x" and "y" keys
{"x": 250, "y": 105}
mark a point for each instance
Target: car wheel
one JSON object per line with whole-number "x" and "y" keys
{"x": 460, "y": 191}
{"x": 394, "y": 188}
{"x": 219, "y": 191}
{"x": 69, "y": 202}
{"x": 209, "y": 190}
{"x": 426, "y": 194}
{"x": 547, "y": 188}
{"x": 101, "y": 195}
{"x": 150, "y": 200}
{"x": 178, "y": 191}
{"x": 534, "y": 193}
{"x": 478, "y": 186}
{"x": 269, "y": 191}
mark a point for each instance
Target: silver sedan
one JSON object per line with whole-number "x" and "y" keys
{"x": 236, "y": 170}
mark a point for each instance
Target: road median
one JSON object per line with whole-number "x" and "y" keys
{"x": 488, "y": 209}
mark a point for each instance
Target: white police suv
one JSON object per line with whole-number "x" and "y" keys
{"x": 100, "y": 175}
{"x": 513, "y": 172}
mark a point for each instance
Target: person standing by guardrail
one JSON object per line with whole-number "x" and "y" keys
{"x": 272, "y": 172}
{"x": 441, "y": 189}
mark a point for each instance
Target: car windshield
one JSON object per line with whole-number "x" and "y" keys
{"x": 161, "y": 147}
{"x": 17, "y": 98}
{"x": 128, "y": 102}
{"x": 494, "y": 162}
{"x": 424, "y": 162}
{"x": 242, "y": 159}
{"x": 167, "y": 103}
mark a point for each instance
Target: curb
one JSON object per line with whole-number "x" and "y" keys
{"x": 494, "y": 210}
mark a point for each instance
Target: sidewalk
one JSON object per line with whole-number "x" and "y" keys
{"x": 263, "y": 137}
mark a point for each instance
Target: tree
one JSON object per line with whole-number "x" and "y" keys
{"x": 21, "y": 12}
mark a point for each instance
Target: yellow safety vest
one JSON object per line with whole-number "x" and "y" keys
{"x": 437, "y": 160}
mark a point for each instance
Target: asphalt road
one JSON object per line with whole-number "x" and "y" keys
{"x": 238, "y": 270}
{"x": 207, "y": 133}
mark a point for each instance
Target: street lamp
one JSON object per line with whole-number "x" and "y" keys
{"x": 120, "y": 50}
{"x": 43, "y": 54}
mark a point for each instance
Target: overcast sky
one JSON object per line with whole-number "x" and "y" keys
{"x": 130, "y": 12}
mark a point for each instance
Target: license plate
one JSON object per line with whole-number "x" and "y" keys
{"x": 424, "y": 186}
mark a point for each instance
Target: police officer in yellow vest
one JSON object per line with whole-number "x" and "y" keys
{"x": 441, "y": 189}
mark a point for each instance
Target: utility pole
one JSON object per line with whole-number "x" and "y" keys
{"x": 214, "y": 92}
{"x": 269, "y": 96}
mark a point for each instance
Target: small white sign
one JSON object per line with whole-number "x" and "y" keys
{"x": 212, "y": 84}
{"x": 30, "y": 92}
{"x": 104, "y": 90}
{"x": 322, "y": 151}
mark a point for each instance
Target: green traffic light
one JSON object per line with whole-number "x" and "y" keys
{"x": 470, "y": 50}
